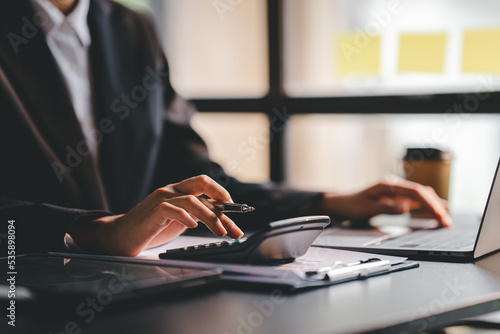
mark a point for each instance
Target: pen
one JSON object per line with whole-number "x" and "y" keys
{"x": 233, "y": 207}
{"x": 358, "y": 269}
{"x": 340, "y": 264}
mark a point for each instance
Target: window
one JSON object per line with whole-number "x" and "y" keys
{"x": 388, "y": 47}
{"x": 341, "y": 87}
{"x": 217, "y": 52}
{"x": 237, "y": 141}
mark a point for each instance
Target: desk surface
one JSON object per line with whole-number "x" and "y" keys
{"x": 410, "y": 301}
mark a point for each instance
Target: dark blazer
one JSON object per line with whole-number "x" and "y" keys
{"x": 47, "y": 179}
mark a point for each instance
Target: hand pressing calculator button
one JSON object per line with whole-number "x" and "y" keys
{"x": 280, "y": 241}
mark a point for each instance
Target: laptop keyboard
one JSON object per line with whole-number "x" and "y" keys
{"x": 445, "y": 239}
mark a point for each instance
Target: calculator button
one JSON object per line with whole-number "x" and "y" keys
{"x": 225, "y": 243}
{"x": 213, "y": 245}
{"x": 192, "y": 247}
{"x": 175, "y": 250}
{"x": 239, "y": 241}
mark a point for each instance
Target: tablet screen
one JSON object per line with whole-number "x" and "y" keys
{"x": 40, "y": 276}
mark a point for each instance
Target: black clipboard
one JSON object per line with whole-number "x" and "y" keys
{"x": 293, "y": 283}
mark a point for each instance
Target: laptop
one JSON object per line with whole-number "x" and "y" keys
{"x": 469, "y": 239}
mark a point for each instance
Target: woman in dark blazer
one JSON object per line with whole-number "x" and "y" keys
{"x": 147, "y": 152}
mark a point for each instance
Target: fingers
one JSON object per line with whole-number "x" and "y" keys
{"x": 426, "y": 196}
{"x": 232, "y": 229}
{"x": 193, "y": 207}
{"x": 392, "y": 206}
{"x": 203, "y": 185}
{"x": 169, "y": 233}
{"x": 200, "y": 212}
{"x": 166, "y": 212}
{"x": 445, "y": 204}
{"x": 185, "y": 196}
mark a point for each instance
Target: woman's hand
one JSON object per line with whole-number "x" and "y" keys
{"x": 159, "y": 218}
{"x": 391, "y": 196}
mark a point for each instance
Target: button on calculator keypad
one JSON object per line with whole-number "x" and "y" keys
{"x": 225, "y": 243}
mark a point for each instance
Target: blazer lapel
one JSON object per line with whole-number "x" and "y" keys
{"x": 107, "y": 86}
{"x": 34, "y": 74}
{"x": 119, "y": 64}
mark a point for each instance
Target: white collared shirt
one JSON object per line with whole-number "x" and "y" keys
{"x": 68, "y": 38}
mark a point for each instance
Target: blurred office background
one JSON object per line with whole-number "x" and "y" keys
{"x": 359, "y": 81}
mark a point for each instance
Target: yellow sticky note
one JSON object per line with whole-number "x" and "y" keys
{"x": 481, "y": 51}
{"x": 357, "y": 54}
{"x": 421, "y": 53}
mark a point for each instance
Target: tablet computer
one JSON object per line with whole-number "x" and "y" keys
{"x": 38, "y": 277}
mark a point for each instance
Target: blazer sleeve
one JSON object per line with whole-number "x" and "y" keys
{"x": 38, "y": 227}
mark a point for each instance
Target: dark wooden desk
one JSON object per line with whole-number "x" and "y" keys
{"x": 410, "y": 301}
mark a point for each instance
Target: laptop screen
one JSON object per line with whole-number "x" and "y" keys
{"x": 489, "y": 231}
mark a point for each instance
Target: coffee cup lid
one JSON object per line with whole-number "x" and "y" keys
{"x": 426, "y": 153}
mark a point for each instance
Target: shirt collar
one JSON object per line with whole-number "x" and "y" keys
{"x": 77, "y": 18}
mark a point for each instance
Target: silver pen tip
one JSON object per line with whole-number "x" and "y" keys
{"x": 248, "y": 208}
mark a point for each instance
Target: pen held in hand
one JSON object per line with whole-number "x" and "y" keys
{"x": 233, "y": 207}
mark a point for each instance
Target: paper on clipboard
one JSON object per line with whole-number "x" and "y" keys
{"x": 292, "y": 275}
{"x": 315, "y": 257}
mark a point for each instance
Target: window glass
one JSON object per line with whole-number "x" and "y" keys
{"x": 390, "y": 47}
{"x": 237, "y": 141}
{"x": 349, "y": 152}
{"x": 217, "y": 48}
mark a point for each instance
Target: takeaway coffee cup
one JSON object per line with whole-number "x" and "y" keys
{"x": 430, "y": 167}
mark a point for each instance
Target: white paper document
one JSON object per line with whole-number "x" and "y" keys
{"x": 315, "y": 259}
